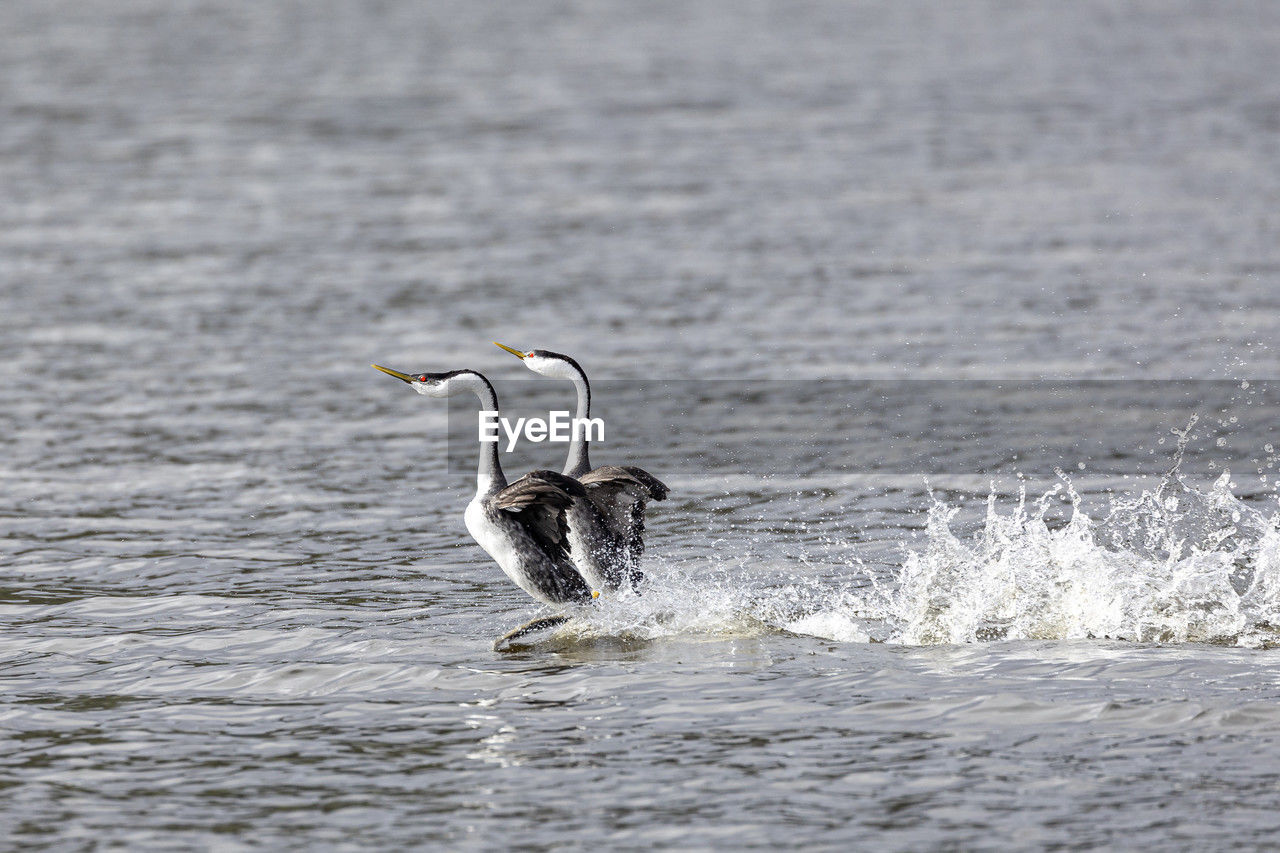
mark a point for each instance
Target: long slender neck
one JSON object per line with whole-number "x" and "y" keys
{"x": 489, "y": 476}
{"x": 577, "y": 462}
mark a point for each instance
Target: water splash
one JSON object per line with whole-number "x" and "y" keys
{"x": 1172, "y": 565}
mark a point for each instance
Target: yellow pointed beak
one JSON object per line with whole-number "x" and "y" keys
{"x": 514, "y": 352}
{"x": 404, "y": 377}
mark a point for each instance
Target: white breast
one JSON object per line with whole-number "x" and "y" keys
{"x": 498, "y": 544}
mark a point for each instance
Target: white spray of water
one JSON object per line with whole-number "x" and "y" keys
{"x": 1172, "y": 565}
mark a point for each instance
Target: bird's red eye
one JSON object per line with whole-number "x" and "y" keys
{"x": 422, "y": 378}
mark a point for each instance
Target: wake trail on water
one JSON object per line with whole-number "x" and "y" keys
{"x": 1174, "y": 564}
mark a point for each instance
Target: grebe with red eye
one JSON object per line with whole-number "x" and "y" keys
{"x": 522, "y": 525}
{"x": 620, "y": 492}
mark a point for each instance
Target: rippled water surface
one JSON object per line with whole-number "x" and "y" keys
{"x": 1008, "y": 606}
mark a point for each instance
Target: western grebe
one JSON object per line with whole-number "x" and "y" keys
{"x": 521, "y": 525}
{"x": 620, "y": 492}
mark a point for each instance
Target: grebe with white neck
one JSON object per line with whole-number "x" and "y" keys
{"x": 621, "y": 493}
{"x": 522, "y": 525}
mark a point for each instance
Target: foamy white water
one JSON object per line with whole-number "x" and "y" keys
{"x": 1171, "y": 564}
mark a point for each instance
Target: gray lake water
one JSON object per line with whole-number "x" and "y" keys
{"x": 848, "y": 277}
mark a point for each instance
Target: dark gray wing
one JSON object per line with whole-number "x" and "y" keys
{"x": 621, "y": 493}
{"x": 538, "y": 501}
